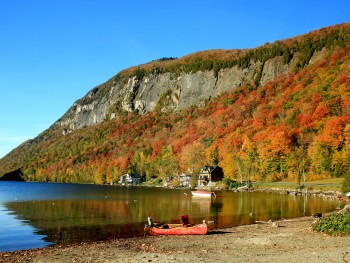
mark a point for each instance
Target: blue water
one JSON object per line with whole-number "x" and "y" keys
{"x": 34, "y": 215}
{"x": 17, "y": 233}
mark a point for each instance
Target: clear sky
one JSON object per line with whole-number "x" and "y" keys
{"x": 52, "y": 52}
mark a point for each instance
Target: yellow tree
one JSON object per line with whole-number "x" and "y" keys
{"x": 100, "y": 176}
{"x": 139, "y": 163}
{"x": 234, "y": 166}
{"x": 228, "y": 165}
{"x": 212, "y": 154}
{"x": 165, "y": 164}
{"x": 341, "y": 155}
{"x": 320, "y": 156}
{"x": 273, "y": 145}
{"x": 112, "y": 174}
{"x": 250, "y": 157}
{"x": 192, "y": 157}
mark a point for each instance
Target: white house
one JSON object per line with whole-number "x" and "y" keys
{"x": 130, "y": 179}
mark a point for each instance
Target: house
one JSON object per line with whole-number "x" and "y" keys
{"x": 185, "y": 180}
{"x": 130, "y": 179}
{"x": 209, "y": 174}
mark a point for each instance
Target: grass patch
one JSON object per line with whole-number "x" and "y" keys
{"x": 333, "y": 184}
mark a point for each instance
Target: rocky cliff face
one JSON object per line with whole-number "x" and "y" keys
{"x": 167, "y": 92}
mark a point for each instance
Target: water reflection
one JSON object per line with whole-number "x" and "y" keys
{"x": 98, "y": 213}
{"x": 18, "y": 234}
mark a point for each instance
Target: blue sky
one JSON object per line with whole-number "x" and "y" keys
{"x": 52, "y": 52}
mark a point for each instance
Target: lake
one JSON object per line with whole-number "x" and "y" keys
{"x": 36, "y": 215}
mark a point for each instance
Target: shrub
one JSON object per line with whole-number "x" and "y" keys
{"x": 230, "y": 184}
{"x": 334, "y": 224}
{"x": 233, "y": 184}
{"x": 157, "y": 181}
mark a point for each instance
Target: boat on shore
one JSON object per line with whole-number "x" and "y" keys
{"x": 184, "y": 228}
{"x": 203, "y": 193}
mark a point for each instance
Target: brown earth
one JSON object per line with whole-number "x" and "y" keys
{"x": 280, "y": 241}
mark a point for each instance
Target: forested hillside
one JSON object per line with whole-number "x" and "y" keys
{"x": 294, "y": 127}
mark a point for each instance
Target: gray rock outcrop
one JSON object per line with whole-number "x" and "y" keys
{"x": 165, "y": 91}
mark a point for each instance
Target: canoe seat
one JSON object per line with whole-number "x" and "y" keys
{"x": 186, "y": 220}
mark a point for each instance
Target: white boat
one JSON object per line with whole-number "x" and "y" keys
{"x": 203, "y": 193}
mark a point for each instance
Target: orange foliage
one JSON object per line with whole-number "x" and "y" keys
{"x": 333, "y": 132}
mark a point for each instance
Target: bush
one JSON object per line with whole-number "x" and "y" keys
{"x": 230, "y": 184}
{"x": 334, "y": 224}
{"x": 233, "y": 184}
{"x": 157, "y": 181}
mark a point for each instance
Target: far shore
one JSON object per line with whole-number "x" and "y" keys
{"x": 325, "y": 188}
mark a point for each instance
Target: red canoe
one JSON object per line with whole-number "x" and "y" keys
{"x": 186, "y": 228}
{"x": 176, "y": 229}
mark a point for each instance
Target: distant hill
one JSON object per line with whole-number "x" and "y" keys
{"x": 276, "y": 112}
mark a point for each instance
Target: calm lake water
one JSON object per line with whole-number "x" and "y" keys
{"x": 40, "y": 214}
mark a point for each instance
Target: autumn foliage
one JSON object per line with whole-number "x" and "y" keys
{"x": 293, "y": 128}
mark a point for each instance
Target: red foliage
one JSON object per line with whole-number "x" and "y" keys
{"x": 157, "y": 146}
{"x": 333, "y": 132}
{"x": 320, "y": 112}
{"x": 258, "y": 124}
{"x": 343, "y": 79}
{"x": 316, "y": 99}
{"x": 345, "y": 103}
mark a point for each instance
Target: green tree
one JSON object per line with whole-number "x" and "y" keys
{"x": 346, "y": 183}
{"x": 194, "y": 177}
{"x": 29, "y": 174}
{"x": 298, "y": 162}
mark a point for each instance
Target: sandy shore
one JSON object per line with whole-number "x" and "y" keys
{"x": 280, "y": 241}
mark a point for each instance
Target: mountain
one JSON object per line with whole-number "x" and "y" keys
{"x": 275, "y": 112}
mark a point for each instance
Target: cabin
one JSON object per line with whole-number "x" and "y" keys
{"x": 130, "y": 179}
{"x": 209, "y": 174}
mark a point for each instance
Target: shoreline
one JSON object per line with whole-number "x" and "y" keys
{"x": 278, "y": 241}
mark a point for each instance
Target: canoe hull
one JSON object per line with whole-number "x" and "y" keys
{"x": 200, "y": 229}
